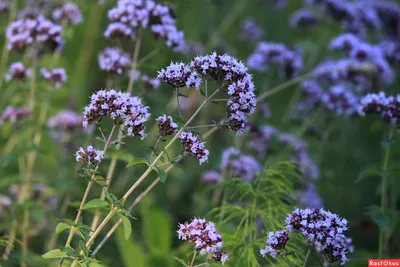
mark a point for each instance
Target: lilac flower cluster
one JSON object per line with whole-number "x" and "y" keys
{"x": 386, "y": 106}
{"x": 121, "y": 107}
{"x": 358, "y": 16}
{"x": 303, "y": 18}
{"x": 4, "y": 7}
{"x": 251, "y": 31}
{"x": 89, "y": 155}
{"x": 242, "y": 100}
{"x": 28, "y": 30}
{"x": 262, "y": 136}
{"x": 128, "y": 15}
{"x": 66, "y": 124}
{"x": 194, "y": 146}
{"x": 166, "y": 125}
{"x": 69, "y": 12}
{"x": 17, "y": 71}
{"x": 309, "y": 197}
{"x": 239, "y": 165}
{"x": 275, "y": 243}
{"x": 324, "y": 230}
{"x": 290, "y": 60}
{"x": 150, "y": 83}
{"x": 205, "y": 237}
{"x": 13, "y": 114}
{"x": 57, "y": 76}
{"x": 114, "y": 60}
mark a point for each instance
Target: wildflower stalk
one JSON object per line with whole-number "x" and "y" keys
{"x": 113, "y": 163}
{"x": 193, "y": 258}
{"x": 86, "y": 194}
{"x": 382, "y": 239}
{"x": 307, "y": 257}
{"x": 5, "y": 52}
{"x": 144, "y": 175}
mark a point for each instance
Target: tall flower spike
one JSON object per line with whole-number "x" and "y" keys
{"x": 194, "y": 146}
{"x": 121, "y": 107}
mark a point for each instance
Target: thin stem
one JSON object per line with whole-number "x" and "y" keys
{"x": 382, "y": 244}
{"x": 201, "y": 264}
{"x": 134, "y": 61}
{"x": 87, "y": 191}
{"x": 307, "y": 257}
{"x": 284, "y": 86}
{"x": 194, "y": 256}
{"x": 204, "y": 126}
{"x": 154, "y": 149}
{"x": 177, "y": 102}
{"x": 148, "y": 57}
{"x": 176, "y": 159}
{"x": 11, "y": 240}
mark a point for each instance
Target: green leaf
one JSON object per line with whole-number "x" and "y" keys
{"x": 382, "y": 221}
{"x": 127, "y": 226}
{"x": 180, "y": 261}
{"x": 54, "y": 254}
{"x": 61, "y": 227}
{"x": 95, "y": 203}
{"x": 100, "y": 180}
{"x": 137, "y": 161}
{"x": 162, "y": 175}
{"x": 132, "y": 255}
{"x": 368, "y": 174}
{"x": 82, "y": 246}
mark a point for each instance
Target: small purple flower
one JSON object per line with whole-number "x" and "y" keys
{"x": 66, "y": 124}
{"x": 251, "y": 31}
{"x": 238, "y": 165}
{"x": 211, "y": 177}
{"x": 345, "y": 42}
{"x": 340, "y": 101}
{"x": 117, "y": 30}
{"x": 387, "y": 106}
{"x": 179, "y": 75}
{"x": 13, "y": 114}
{"x": 17, "y": 71}
{"x": 114, "y": 60}
{"x": 57, "y": 76}
{"x": 121, "y": 107}
{"x": 194, "y": 146}
{"x": 205, "y": 238}
{"x": 166, "y": 125}
{"x": 275, "y": 242}
{"x": 303, "y": 18}
{"x": 4, "y": 7}
{"x": 89, "y": 155}
{"x": 69, "y": 12}
{"x": 150, "y": 83}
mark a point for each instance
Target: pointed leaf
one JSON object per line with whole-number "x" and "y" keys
{"x": 162, "y": 175}
{"x": 95, "y": 203}
{"x": 137, "y": 161}
{"x": 61, "y": 227}
{"x": 180, "y": 261}
{"x": 127, "y": 226}
{"x": 54, "y": 254}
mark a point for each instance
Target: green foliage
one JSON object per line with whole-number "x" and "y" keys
{"x": 264, "y": 204}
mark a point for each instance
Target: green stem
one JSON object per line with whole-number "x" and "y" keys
{"x": 382, "y": 242}
{"x": 307, "y": 257}
{"x": 193, "y": 258}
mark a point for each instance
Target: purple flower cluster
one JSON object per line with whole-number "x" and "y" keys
{"x": 166, "y": 125}
{"x": 4, "y": 7}
{"x": 324, "y": 230}
{"x": 13, "y": 114}
{"x": 386, "y": 106}
{"x": 290, "y": 60}
{"x": 89, "y": 155}
{"x": 69, "y": 12}
{"x": 27, "y": 30}
{"x": 242, "y": 100}
{"x": 5, "y": 202}
{"x": 251, "y": 31}
{"x": 114, "y": 60}
{"x": 309, "y": 197}
{"x": 179, "y": 75}
{"x": 303, "y": 18}
{"x": 17, "y": 71}
{"x": 66, "y": 124}
{"x": 275, "y": 243}
{"x": 121, "y": 107}
{"x": 57, "y": 76}
{"x": 128, "y": 15}
{"x": 238, "y": 165}
{"x": 205, "y": 237}
{"x": 194, "y": 146}
{"x": 150, "y": 83}
{"x": 211, "y": 177}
